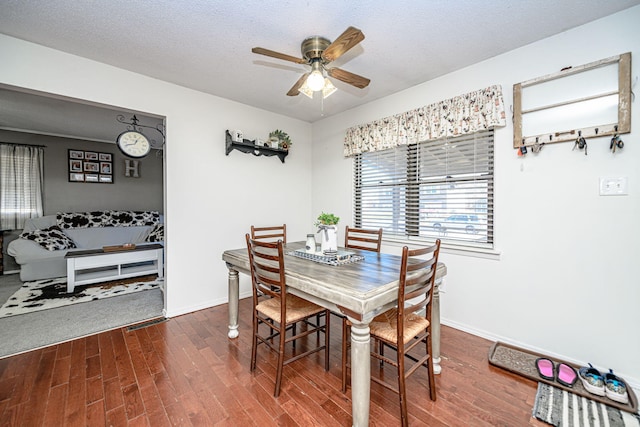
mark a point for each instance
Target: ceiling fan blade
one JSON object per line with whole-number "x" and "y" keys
{"x": 345, "y": 41}
{"x": 278, "y": 55}
{"x": 294, "y": 89}
{"x": 347, "y": 77}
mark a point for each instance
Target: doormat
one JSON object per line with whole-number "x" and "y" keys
{"x": 52, "y": 293}
{"x": 561, "y": 408}
{"x": 523, "y": 362}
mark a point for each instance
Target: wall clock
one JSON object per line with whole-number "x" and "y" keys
{"x": 133, "y": 144}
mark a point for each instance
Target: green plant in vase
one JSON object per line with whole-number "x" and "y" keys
{"x": 281, "y": 138}
{"x": 327, "y": 227}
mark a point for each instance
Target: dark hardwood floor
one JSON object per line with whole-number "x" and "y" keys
{"x": 187, "y": 372}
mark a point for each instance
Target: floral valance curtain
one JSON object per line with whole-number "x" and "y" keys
{"x": 468, "y": 113}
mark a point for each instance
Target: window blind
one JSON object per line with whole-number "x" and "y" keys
{"x": 434, "y": 189}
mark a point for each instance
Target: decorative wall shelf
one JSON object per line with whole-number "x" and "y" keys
{"x": 248, "y": 146}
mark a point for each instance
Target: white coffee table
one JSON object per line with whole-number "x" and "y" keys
{"x": 96, "y": 265}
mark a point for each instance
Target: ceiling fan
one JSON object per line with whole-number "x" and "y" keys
{"x": 318, "y": 52}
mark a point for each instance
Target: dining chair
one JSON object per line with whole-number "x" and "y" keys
{"x": 361, "y": 238}
{"x": 405, "y": 326}
{"x": 271, "y": 234}
{"x": 279, "y": 310}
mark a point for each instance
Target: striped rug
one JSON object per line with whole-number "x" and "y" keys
{"x": 561, "y": 409}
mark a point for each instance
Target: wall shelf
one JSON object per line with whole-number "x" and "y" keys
{"x": 248, "y": 146}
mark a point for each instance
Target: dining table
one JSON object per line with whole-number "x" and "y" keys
{"x": 359, "y": 290}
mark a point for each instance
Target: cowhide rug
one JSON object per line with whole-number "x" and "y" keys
{"x": 51, "y": 293}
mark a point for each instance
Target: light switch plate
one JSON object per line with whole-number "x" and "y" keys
{"x": 614, "y": 186}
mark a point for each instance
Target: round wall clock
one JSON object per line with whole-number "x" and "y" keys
{"x": 133, "y": 144}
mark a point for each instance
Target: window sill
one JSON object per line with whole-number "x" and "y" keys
{"x": 484, "y": 253}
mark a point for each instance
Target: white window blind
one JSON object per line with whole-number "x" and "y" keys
{"x": 434, "y": 189}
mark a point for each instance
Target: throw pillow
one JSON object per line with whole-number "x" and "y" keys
{"x": 81, "y": 219}
{"x": 156, "y": 234}
{"x": 52, "y": 238}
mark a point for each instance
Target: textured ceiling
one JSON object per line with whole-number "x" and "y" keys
{"x": 206, "y": 45}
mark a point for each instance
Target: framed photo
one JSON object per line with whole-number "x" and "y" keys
{"x": 105, "y": 157}
{"x": 76, "y": 154}
{"x": 75, "y": 165}
{"x": 91, "y": 166}
{"x": 105, "y": 168}
{"x": 76, "y": 177}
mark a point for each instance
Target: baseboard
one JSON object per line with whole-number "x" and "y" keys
{"x": 202, "y": 306}
{"x": 632, "y": 382}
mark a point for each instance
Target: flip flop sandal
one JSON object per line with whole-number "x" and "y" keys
{"x": 545, "y": 368}
{"x": 566, "y": 375}
{"x": 615, "y": 389}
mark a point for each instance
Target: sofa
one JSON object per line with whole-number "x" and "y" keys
{"x": 41, "y": 248}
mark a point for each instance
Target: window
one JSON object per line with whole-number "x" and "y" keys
{"x": 434, "y": 189}
{"x": 21, "y": 175}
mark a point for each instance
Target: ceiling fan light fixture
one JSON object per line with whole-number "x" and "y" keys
{"x": 305, "y": 90}
{"x": 315, "y": 81}
{"x": 328, "y": 88}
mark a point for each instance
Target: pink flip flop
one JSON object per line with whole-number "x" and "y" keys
{"x": 567, "y": 376}
{"x": 545, "y": 368}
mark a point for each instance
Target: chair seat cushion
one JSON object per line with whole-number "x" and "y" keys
{"x": 297, "y": 308}
{"x": 385, "y": 326}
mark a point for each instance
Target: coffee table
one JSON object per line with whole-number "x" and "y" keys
{"x": 96, "y": 265}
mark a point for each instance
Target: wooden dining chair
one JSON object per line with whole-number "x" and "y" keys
{"x": 406, "y": 326}
{"x": 274, "y": 307}
{"x": 361, "y": 238}
{"x": 270, "y": 234}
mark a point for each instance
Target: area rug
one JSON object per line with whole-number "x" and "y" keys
{"x": 51, "y": 293}
{"x": 561, "y": 408}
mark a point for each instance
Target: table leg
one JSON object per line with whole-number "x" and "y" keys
{"x": 234, "y": 292}
{"x": 360, "y": 373}
{"x": 71, "y": 274}
{"x": 160, "y": 262}
{"x": 435, "y": 329}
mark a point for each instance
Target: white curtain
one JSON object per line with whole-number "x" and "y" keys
{"x": 21, "y": 181}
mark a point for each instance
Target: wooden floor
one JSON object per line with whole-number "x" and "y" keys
{"x": 187, "y": 372}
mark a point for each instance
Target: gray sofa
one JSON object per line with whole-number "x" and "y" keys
{"x": 44, "y": 241}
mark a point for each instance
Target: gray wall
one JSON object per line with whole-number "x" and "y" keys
{"x": 60, "y": 195}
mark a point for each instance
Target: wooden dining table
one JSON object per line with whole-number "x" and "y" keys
{"x": 359, "y": 290}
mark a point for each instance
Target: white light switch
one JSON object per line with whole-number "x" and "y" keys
{"x": 616, "y": 186}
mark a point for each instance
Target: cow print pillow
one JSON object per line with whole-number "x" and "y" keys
{"x": 52, "y": 238}
{"x": 156, "y": 234}
{"x": 82, "y": 219}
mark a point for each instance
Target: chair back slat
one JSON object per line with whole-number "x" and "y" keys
{"x": 270, "y": 234}
{"x": 266, "y": 260}
{"x": 417, "y": 281}
{"x": 364, "y": 239}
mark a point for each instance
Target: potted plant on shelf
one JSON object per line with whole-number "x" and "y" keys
{"x": 279, "y": 139}
{"x": 327, "y": 227}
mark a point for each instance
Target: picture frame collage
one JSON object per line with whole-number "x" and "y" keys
{"x": 90, "y": 166}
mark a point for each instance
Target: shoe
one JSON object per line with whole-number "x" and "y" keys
{"x": 545, "y": 368}
{"x": 592, "y": 380}
{"x": 614, "y": 388}
{"x": 566, "y": 375}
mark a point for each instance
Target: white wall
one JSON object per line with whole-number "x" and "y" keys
{"x": 211, "y": 199}
{"x": 566, "y": 281}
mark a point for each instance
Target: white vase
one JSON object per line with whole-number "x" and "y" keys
{"x": 329, "y": 238}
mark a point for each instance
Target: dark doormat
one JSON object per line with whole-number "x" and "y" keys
{"x": 523, "y": 362}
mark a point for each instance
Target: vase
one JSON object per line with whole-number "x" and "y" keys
{"x": 328, "y": 238}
